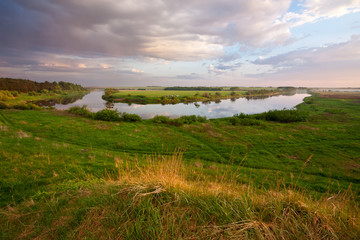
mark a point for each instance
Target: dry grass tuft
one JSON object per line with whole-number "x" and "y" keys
{"x": 164, "y": 172}
{"x": 20, "y": 134}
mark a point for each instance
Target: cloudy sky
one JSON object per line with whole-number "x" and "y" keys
{"x": 314, "y": 43}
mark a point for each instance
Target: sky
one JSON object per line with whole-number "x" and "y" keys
{"x": 114, "y": 43}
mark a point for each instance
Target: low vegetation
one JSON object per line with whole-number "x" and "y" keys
{"x": 173, "y": 95}
{"x": 283, "y": 116}
{"x": 179, "y": 121}
{"x": 261, "y": 178}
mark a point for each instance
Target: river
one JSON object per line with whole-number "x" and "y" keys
{"x": 224, "y": 108}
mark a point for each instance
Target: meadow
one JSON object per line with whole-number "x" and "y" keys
{"x": 66, "y": 176}
{"x": 163, "y": 96}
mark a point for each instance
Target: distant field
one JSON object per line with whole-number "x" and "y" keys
{"x": 160, "y": 93}
{"x": 339, "y": 95}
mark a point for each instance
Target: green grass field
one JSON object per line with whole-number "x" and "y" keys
{"x": 68, "y": 177}
{"x": 160, "y": 93}
{"x": 155, "y": 95}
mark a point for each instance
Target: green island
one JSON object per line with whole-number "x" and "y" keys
{"x": 173, "y": 95}
{"x": 288, "y": 174}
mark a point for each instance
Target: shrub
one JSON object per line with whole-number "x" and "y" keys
{"x": 284, "y": 116}
{"x": 188, "y": 119}
{"x": 44, "y": 91}
{"x": 309, "y": 100}
{"x": 26, "y": 106}
{"x": 4, "y": 105}
{"x": 161, "y": 119}
{"x": 242, "y": 116}
{"x": 179, "y": 121}
{"x": 192, "y": 119}
{"x": 14, "y": 93}
{"x": 244, "y": 121}
{"x": 81, "y": 111}
{"x": 107, "y": 115}
{"x": 127, "y": 117}
{"x": 5, "y": 95}
{"x": 176, "y": 122}
{"x": 32, "y": 93}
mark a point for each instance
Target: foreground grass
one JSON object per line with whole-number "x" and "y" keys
{"x": 165, "y": 200}
{"x": 274, "y": 180}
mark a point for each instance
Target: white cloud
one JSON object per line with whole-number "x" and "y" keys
{"x": 136, "y": 70}
{"x": 315, "y": 10}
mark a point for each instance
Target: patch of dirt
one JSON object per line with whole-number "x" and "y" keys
{"x": 198, "y": 164}
{"x": 292, "y": 157}
{"x": 20, "y": 134}
{"x": 352, "y": 165}
{"x": 102, "y": 126}
{"x": 92, "y": 226}
{"x": 3, "y": 128}
{"x": 302, "y": 127}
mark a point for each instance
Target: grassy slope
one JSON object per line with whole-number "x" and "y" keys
{"x": 79, "y": 170}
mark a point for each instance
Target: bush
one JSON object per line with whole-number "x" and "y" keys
{"x": 242, "y": 116}
{"x": 5, "y": 95}
{"x": 81, "y": 111}
{"x": 179, "y": 121}
{"x": 4, "y": 105}
{"x": 26, "y": 106}
{"x": 192, "y": 119}
{"x": 244, "y": 121}
{"x": 284, "y": 116}
{"x": 14, "y": 93}
{"x": 309, "y": 100}
{"x": 127, "y": 117}
{"x": 161, "y": 119}
{"x": 188, "y": 119}
{"x": 32, "y": 93}
{"x": 107, "y": 115}
{"x": 176, "y": 122}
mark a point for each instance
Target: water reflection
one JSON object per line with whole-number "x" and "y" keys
{"x": 223, "y": 108}
{"x": 53, "y": 102}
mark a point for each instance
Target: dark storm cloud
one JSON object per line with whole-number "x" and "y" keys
{"x": 152, "y": 28}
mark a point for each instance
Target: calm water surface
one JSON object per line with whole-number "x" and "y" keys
{"x": 225, "y": 108}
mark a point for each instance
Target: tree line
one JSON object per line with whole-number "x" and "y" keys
{"x": 25, "y": 86}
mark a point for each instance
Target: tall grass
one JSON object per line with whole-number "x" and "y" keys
{"x": 163, "y": 197}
